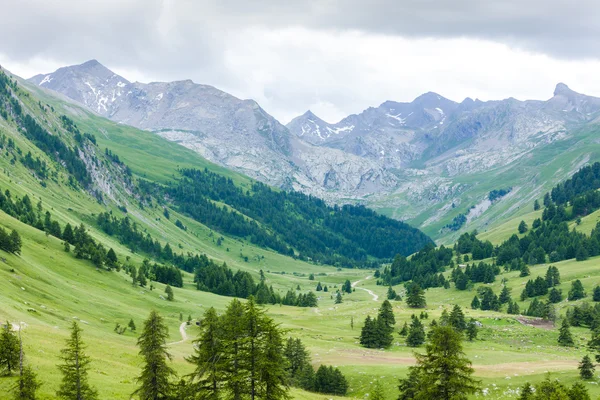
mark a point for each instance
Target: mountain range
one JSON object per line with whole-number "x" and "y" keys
{"x": 433, "y": 162}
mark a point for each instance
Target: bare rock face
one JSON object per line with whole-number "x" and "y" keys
{"x": 410, "y": 157}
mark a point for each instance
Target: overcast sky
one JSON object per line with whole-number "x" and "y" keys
{"x": 335, "y": 57}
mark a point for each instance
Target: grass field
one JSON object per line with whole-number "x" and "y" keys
{"x": 61, "y": 289}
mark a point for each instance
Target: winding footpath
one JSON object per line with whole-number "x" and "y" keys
{"x": 183, "y": 334}
{"x": 375, "y": 297}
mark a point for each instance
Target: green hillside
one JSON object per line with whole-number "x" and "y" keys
{"x": 44, "y": 288}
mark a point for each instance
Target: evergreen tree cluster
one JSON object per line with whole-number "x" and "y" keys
{"x": 242, "y": 353}
{"x": 496, "y": 194}
{"x": 10, "y": 242}
{"x": 291, "y": 220}
{"x": 475, "y": 273}
{"x": 24, "y": 210}
{"x": 553, "y": 389}
{"x": 425, "y": 268}
{"x": 308, "y": 299}
{"x": 540, "y": 285}
{"x": 540, "y": 309}
{"x": 378, "y": 332}
{"x": 468, "y": 243}
{"x": 486, "y": 299}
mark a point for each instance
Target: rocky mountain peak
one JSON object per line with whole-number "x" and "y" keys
{"x": 563, "y": 90}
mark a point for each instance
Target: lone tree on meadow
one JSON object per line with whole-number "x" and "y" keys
{"x": 74, "y": 369}
{"x": 586, "y": 368}
{"x": 9, "y": 350}
{"x": 169, "y": 292}
{"x": 338, "y": 298}
{"x": 443, "y": 372}
{"x": 564, "y": 336}
{"x": 576, "y": 291}
{"x": 472, "y": 330}
{"x": 415, "y": 296}
{"x": 416, "y": 333}
{"x": 154, "y": 380}
{"x": 347, "y": 287}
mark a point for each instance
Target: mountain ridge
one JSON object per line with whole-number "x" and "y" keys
{"x": 407, "y": 159}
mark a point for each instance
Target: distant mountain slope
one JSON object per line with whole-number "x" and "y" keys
{"x": 431, "y": 161}
{"x": 289, "y": 223}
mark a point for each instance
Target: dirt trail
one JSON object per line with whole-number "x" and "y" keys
{"x": 183, "y": 334}
{"x": 375, "y": 297}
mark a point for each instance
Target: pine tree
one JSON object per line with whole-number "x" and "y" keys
{"x": 377, "y": 393}
{"x": 15, "y": 242}
{"x": 386, "y": 314}
{"x": 457, "y": 319}
{"x": 415, "y": 296}
{"x": 472, "y": 330}
{"x": 27, "y": 383}
{"x": 368, "y": 334}
{"x": 297, "y": 358}
{"x": 564, "y": 336}
{"x": 319, "y": 287}
{"x": 555, "y": 295}
{"x": 504, "y": 295}
{"x": 9, "y": 350}
{"x": 443, "y": 372}
{"x": 154, "y": 380}
{"x": 234, "y": 338}
{"x": 255, "y": 363}
{"x": 391, "y": 293}
{"x": 273, "y": 374}
{"x": 576, "y": 291}
{"x": 416, "y": 333}
{"x": 208, "y": 358}
{"x": 404, "y": 330}
{"x": 68, "y": 235}
{"x": 523, "y": 227}
{"x": 475, "y": 304}
{"x": 596, "y": 293}
{"x": 536, "y": 205}
{"x": 74, "y": 369}
{"x": 338, "y": 298}
{"x": 131, "y": 325}
{"x": 524, "y": 270}
{"x": 111, "y": 257}
{"x": 586, "y": 368}
{"x": 527, "y": 392}
{"x": 347, "y": 287}
{"x": 169, "y": 292}
{"x": 579, "y": 392}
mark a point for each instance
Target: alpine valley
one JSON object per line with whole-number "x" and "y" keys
{"x": 433, "y": 162}
{"x": 170, "y": 241}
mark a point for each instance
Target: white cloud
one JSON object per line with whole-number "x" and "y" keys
{"x": 289, "y": 60}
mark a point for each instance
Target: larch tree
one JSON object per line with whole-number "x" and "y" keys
{"x": 155, "y": 378}
{"x": 27, "y": 383}
{"x": 443, "y": 372}
{"x": 564, "y": 336}
{"x": 9, "y": 350}
{"x": 234, "y": 339}
{"x": 74, "y": 368}
{"x": 208, "y": 358}
{"x": 586, "y": 368}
